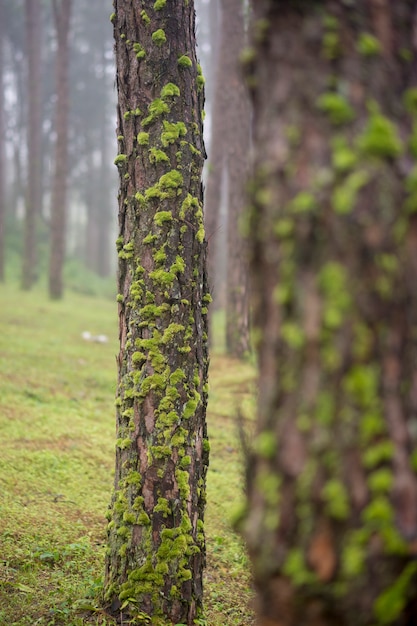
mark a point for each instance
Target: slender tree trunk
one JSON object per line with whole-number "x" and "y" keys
{"x": 217, "y": 159}
{"x": 62, "y": 14}
{"x": 2, "y": 149}
{"x": 238, "y": 144}
{"x": 156, "y": 548}
{"x": 34, "y": 155}
{"x": 331, "y": 481}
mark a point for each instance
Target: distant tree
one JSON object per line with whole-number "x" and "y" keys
{"x": 217, "y": 151}
{"x": 331, "y": 482}
{"x": 2, "y": 146}
{"x": 33, "y": 10}
{"x": 227, "y": 175}
{"x": 156, "y": 546}
{"x": 92, "y": 140}
{"x": 238, "y": 145}
{"x": 62, "y": 15}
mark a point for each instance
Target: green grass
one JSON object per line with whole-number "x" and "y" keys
{"x": 57, "y": 428}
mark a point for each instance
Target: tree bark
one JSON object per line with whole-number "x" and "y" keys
{"x": 62, "y": 16}
{"x": 33, "y": 10}
{"x": 156, "y": 548}
{"x": 331, "y": 521}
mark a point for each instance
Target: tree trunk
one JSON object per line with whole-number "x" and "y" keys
{"x": 156, "y": 548}
{"x": 62, "y": 14}
{"x": 217, "y": 158}
{"x": 2, "y": 149}
{"x": 331, "y": 481}
{"x": 238, "y": 138}
{"x": 34, "y": 154}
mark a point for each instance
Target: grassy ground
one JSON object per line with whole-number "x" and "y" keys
{"x": 57, "y": 457}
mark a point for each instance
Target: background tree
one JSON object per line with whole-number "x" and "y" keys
{"x": 2, "y": 144}
{"x": 226, "y": 177}
{"x": 156, "y": 547}
{"x": 331, "y": 483}
{"x": 33, "y": 10}
{"x": 238, "y": 144}
{"x": 62, "y": 14}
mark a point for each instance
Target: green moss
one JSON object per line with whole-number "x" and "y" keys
{"x": 353, "y": 560}
{"x": 156, "y": 108}
{"x": 169, "y": 91}
{"x": 169, "y": 335}
{"x": 145, "y": 17}
{"x": 121, "y": 158}
{"x": 410, "y": 100}
{"x": 332, "y": 48}
{"x": 362, "y": 383}
{"x": 112, "y": 17}
{"x": 380, "y": 138}
{"x": 190, "y": 406}
{"x": 296, "y": 568}
{"x": 343, "y": 157}
{"x": 336, "y": 107}
{"x": 182, "y": 479}
{"x": 172, "y": 132}
{"x": 159, "y": 4}
{"x": 171, "y": 180}
{"x": 345, "y": 195}
{"x": 123, "y": 443}
{"x": 143, "y": 139}
{"x": 368, "y": 45}
{"x": 159, "y": 37}
{"x": 292, "y": 334}
{"x": 266, "y": 444}
{"x": 162, "y": 217}
{"x": 380, "y": 452}
{"x": 304, "y": 202}
{"x": 140, "y": 52}
{"x": 336, "y": 499}
{"x": 381, "y": 480}
{"x": 391, "y": 603}
{"x": 177, "y": 377}
{"x": 184, "y": 61}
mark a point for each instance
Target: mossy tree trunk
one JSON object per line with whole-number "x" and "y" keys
{"x": 331, "y": 522}
{"x": 156, "y": 548}
{"x": 62, "y": 17}
{"x": 33, "y": 9}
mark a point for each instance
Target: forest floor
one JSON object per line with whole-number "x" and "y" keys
{"x": 57, "y": 456}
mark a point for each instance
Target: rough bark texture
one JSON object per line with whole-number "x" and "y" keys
{"x": 156, "y": 548}
{"x": 2, "y": 149}
{"x": 332, "y": 489}
{"x": 62, "y": 14}
{"x": 34, "y": 134}
{"x": 238, "y": 138}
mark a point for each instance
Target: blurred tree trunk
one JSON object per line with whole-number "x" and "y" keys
{"x": 62, "y": 15}
{"x": 238, "y": 144}
{"x": 33, "y": 9}
{"x": 104, "y": 224}
{"x": 331, "y": 522}
{"x": 228, "y": 170}
{"x": 2, "y": 146}
{"x": 156, "y": 547}
{"x": 217, "y": 153}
